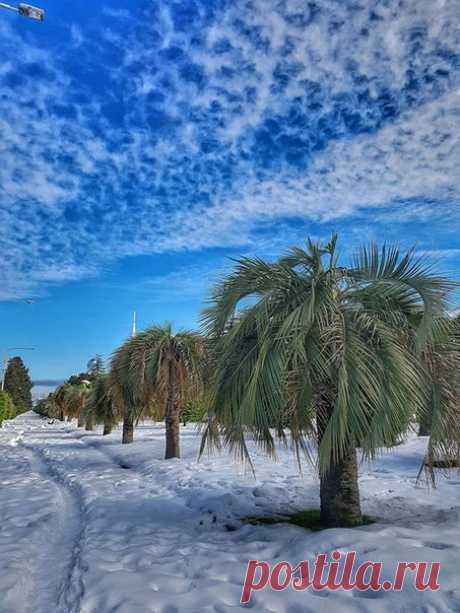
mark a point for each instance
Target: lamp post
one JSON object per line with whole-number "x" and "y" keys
{"x": 6, "y": 359}
{"x": 26, "y": 10}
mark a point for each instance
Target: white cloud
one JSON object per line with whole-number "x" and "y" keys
{"x": 76, "y": 36}
{"x": 79, "y": 189}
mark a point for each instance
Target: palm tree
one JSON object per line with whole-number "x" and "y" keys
{"x": 100, "y": 404}
{"x": 77, "y": 396}
{"x": 50, "y": 407}
{"x": 157, "y": 364}
{"x": 81, "y": 414}
{"x": 437, "y": 364}
{"x": 441, "y": 360}
{"x": 330, "y": 351}
{"x": 61, "y": 399}
{"x": 127, "y": 396}
{"x": 69, "y": 400}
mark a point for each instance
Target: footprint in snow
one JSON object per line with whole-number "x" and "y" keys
{"x": 439, "y": 546}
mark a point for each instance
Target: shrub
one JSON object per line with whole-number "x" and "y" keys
{"x": 7, "y": 410}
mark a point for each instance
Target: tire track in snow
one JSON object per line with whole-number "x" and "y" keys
{"x": 72, "y": 525}
{"x": 73, "y": 514}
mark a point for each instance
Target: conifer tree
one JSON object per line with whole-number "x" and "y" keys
{"x": 19, "y": 385}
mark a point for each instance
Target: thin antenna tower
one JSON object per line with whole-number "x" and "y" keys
{"x": 133, "y": 331}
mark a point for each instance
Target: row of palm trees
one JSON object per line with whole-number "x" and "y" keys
{"x": 155, "y": 373}
{"x": 331, "y": 356}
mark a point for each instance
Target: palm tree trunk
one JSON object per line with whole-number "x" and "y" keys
{"x": 89, "y": 422}
{"x": 61, "y": 416}
{"x": 107, "y": 427}
{"x": 339, "y": 493}
{"x": 339, "y": 490}
{"x": 81, "y": 413}
{"x": 172, "y": 420}
{"x": 425, "y": 425}
{"x": 128, "y": 429}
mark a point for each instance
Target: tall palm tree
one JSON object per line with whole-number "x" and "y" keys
{"x": 100, "y": 404}
{"x": 50, "y": 408}
{"x": 76, "y": 398}
{"x": 61, "y": 399}
{"x": 69, "y": 401}
{"x": 330, "y": 351}
{"x": 157, "y": 364}
{"x": 441, "y": 360}
{"x": 128, "y": 397}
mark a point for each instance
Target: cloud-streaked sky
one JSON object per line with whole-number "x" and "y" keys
{"x": 142, "y": 142}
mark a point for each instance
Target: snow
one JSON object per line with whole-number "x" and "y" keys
{"x": 88, "y": 525}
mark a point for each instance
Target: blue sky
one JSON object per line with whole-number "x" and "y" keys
{"x": 144, "y": 142}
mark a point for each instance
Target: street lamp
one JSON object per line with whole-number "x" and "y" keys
{"x": 5, "y": 360}
{"x": 26, "y": 10}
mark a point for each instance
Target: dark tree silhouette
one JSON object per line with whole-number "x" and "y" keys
{"x": 19, "y": 385}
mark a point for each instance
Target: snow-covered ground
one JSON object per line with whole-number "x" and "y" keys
{"x": 88, "y": 525}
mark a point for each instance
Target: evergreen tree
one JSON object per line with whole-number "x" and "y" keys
{"x": 19, "y": 385}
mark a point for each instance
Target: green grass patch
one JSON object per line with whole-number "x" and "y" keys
{"x": 309, "y": 519}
